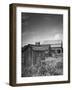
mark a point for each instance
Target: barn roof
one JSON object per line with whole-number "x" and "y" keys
{"x": 40, "y": 47}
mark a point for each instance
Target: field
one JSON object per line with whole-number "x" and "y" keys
{"x": 51, "y": 66}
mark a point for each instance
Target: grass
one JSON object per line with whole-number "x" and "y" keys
{"x": 49, "y": 67}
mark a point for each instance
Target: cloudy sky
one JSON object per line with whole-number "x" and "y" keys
{"x": 41, "y": 27}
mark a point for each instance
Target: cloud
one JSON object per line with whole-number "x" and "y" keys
{"x": 58, "y": 37}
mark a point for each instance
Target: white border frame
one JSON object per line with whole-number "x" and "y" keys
{"x": 63, "y": 77}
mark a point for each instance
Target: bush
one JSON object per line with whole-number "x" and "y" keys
{"x": 33, "y": 70}
{"x": 42, "y": 71}
{"x": 59, "y": 65}
{"x": 51, "y": 69}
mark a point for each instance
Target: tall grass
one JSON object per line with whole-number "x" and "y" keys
{"x": 46, "y": 68}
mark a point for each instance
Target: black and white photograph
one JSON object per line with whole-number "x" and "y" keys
{"x": 42, "y": 44}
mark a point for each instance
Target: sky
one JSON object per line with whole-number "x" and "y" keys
{"x": 41, "y": 28}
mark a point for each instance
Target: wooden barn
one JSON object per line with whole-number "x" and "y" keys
{"x": 34, "y": 53}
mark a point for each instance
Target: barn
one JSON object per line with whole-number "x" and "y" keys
{"x": 34, "y": 53}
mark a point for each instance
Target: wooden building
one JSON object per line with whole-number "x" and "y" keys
{"x": 32, "y": 54}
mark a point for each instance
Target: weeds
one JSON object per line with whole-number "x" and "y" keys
{"x": 47, "y": 68}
